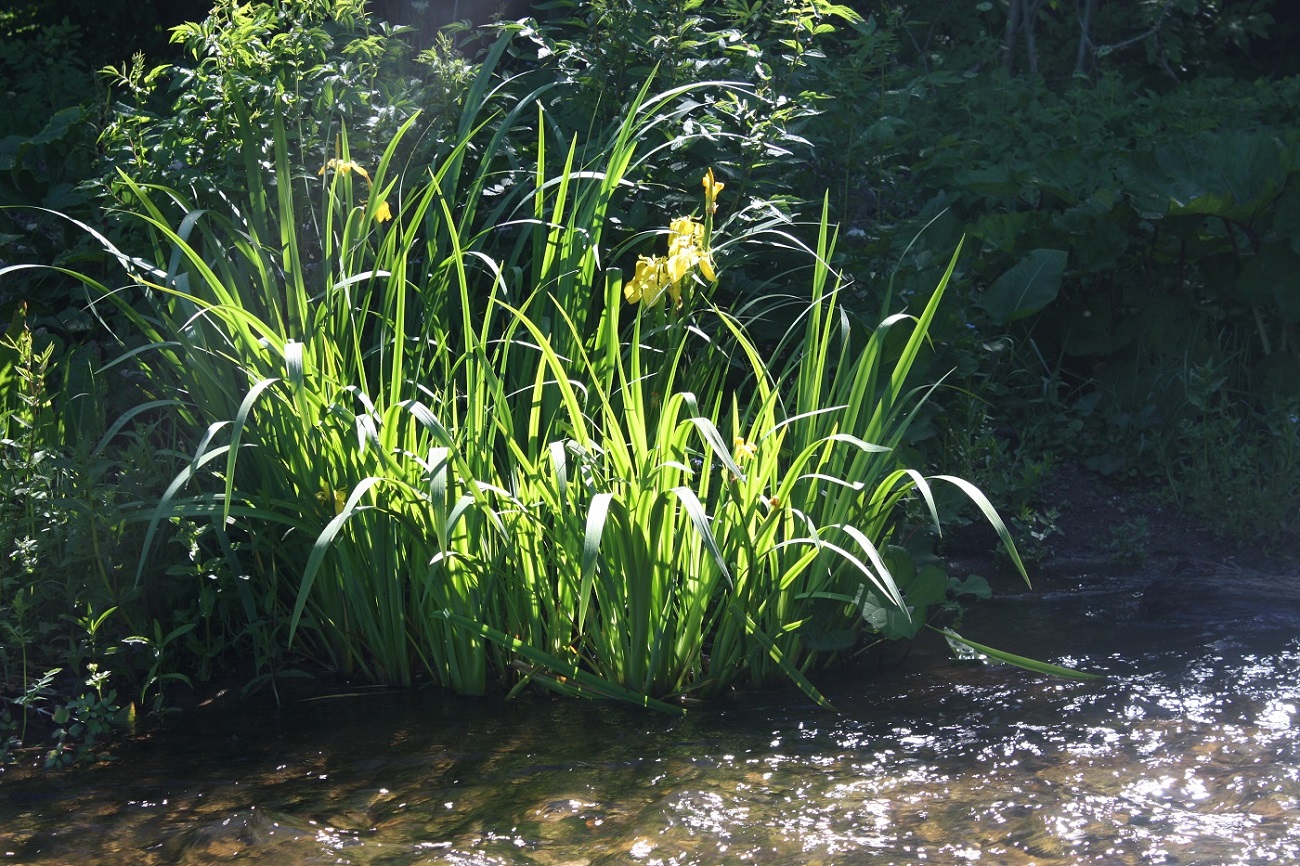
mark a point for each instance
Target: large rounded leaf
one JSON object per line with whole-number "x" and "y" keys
{"x": 1025, "y": 289}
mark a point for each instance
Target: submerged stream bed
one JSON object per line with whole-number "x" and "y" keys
{"x": 1188, "y": 752}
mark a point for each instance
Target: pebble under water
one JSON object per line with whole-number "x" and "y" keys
{"x": 1188, "y": 752}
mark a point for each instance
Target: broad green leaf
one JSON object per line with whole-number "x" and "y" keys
{"x": 972, "y": 585}
{"x": 59, "y": 125}
{"x": 891, "y": 622}
{"x": 1028, "y": 287}
{"x": 930, "y": 586}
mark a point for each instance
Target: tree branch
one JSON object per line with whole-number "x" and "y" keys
{"x": 1009, "y": 38}
{"x": 1085, "y": 34}
{"x": 1103, "y": 50}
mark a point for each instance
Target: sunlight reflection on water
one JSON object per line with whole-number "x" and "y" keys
{"x": 1188, "y": 753}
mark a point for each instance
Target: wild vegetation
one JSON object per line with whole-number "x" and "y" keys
{"x": 632, "y": 353}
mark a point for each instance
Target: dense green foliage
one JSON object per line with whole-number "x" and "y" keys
{"x": 1127, "y": 298}
{"x": 365, "y": 376}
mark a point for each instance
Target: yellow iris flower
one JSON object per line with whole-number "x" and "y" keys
{"x": 744, "y": 450}
{"x": 711, "y": 189}
{"x": 346, "y": 166}
{"x": 658, "y": 274}
{"x": 330, "y": 496}
{"x": 648, "y": 283}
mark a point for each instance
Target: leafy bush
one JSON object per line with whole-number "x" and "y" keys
{"x": 47, "y": 147}
{"x": 1117, "y": 241}
{"x": 66, "y": 498}
{"x": 316, "y": 65}
{"x": 599, "y": 53}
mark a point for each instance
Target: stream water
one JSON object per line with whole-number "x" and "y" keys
{"x": 1188, "y": 752}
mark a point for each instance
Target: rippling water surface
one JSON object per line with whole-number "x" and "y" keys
{"x": 1188, "y": 752}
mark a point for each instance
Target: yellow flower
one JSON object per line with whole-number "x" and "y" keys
{"x": 339, "y": 498}
{"x": 679, "y": 265}
{"x": 344, "y": 166}
{"x": 684, "y": 234}
{"x": 706, "y": 267}
{"x": 711, "y": 189}
{"x": 648, "y": 283}
{"x": 686, "y": 239}
{"x": 669, "y": 273}
{"x": 744, "y": 450}
{"x": 382, "y": 213}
